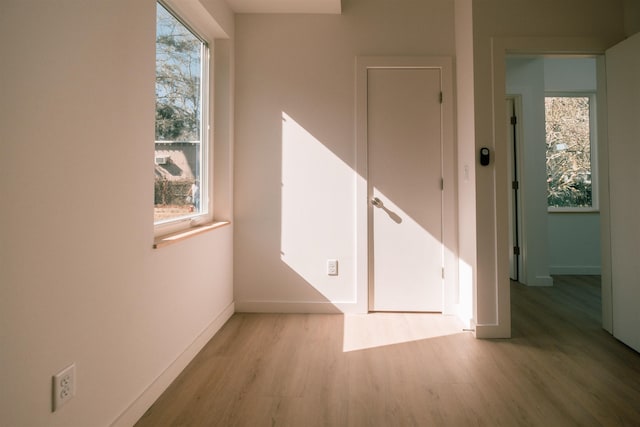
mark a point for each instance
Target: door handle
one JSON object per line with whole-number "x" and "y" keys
{"x": 376, "y": 202}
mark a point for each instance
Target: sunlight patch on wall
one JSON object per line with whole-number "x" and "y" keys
{"x": 318, "y": 211}
{"x": 408, "y": 257}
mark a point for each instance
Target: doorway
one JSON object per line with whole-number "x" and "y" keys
{"x": 559, "y": 234}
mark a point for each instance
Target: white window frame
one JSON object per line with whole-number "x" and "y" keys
{"x": 593, "y": 132}
{"x": 206, "y": 139}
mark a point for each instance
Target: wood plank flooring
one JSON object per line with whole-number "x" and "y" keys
{"x": 559, "y": 369}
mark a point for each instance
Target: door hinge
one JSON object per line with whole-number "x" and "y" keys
{"x": 516, "y": 250}
{"x": 515, "y": 185}
{"x": 441, "y": 183}
{"x": 443, "y": 272}
{"x": 514, "y": 120}
{"x": 441, "y": 97}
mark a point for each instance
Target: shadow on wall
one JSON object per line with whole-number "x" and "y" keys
{"x": 318, "y": 211}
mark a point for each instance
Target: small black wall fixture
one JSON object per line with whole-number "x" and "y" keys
{"x": 485, "y": 156}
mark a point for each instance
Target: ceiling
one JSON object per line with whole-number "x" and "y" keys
{"x": 286, "y": 6}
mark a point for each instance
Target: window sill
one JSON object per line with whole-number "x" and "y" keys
{"x": 168, "y": 239}
{"x": 573, "y": 210}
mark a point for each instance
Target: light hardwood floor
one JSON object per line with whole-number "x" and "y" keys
{"x": 559, "y": 369}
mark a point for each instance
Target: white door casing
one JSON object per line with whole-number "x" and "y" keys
{"x": 421, "y": 227}
{"x": 514, "y": 122}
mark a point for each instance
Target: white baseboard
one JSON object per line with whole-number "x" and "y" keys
{"x": 540, "y": 281}
{"x": 586, "y": 270}
{"x": 137, "y": 409}
{"x": 491, "y": 331}
{"x": 304, "y": 307}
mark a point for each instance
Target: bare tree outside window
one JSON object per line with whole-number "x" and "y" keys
{"x": 568, "y": 135}
{"x": 178, "y": 69}
{"x": 180, "y": 57}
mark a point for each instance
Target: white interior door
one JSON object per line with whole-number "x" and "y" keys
{"x": 404, "y": 127}
{"x": 623, "y": 98}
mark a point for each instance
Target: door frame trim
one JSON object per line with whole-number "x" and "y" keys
{"x": 500, "y": 48}
{"x": 516, "y": 208}
{"x": 449, "y": 213}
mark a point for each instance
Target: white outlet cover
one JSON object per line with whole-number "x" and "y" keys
{"x": 332, "y": 267}
{"x": 64, "y": 386}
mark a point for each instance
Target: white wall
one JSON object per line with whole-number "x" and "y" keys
{"x": 574, "y": 243}
{"x": 498, "y": 24}
{"x": 466, "y": 161}
{"x": 570, "y": 74}
{"x": 574, "y": 238}
{"x": 80, "y": 280}
{"x": 294, "y": 211}
{"x": 631, "y": 17}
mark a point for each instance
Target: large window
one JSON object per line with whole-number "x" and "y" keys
{"x": 181, "y": 125}
{"x": 570, "y": 152}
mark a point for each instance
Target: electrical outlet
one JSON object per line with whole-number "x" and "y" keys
{"x": 332, "y": 267}
{"x": 64, "y": 386}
